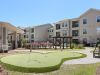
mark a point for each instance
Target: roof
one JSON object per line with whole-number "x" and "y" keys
{"x": 11, "y": 27}
{"x": 88, "y": 11}
{"x": 64, "y": 20}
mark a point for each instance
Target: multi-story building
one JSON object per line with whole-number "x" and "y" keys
{"x": 84, "y": 29}
{"x": 37, "y": 33}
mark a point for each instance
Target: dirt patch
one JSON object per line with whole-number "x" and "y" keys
{"x": 2, "y": 71}
{"x": 98, "y": 71}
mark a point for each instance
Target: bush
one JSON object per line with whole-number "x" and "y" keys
{"x": 77, "y": 46}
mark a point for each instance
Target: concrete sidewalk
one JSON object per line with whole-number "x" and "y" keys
{"x": 87, "y": 60}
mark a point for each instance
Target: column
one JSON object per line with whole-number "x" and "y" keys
{"x": 15, "y": 39}
{"x": 60, "y": 43}
{"x": 4, "y": 38}
{"x": 53, "y": 42}
{"x": 1, "y": 37}
{"x": 70, "y": 41}
{"x": 63, "y": 43}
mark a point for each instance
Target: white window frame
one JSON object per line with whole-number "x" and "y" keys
{"x": 97, "y": 18}
{"x": 83, "y": 21}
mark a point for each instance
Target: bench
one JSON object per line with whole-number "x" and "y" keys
{"x": 96, "y": 54}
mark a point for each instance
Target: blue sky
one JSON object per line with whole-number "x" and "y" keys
{"x": 34, "y": 12}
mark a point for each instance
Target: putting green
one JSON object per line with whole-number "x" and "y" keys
{"x": 38, "y": 62}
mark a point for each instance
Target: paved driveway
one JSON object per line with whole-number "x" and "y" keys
{"x": 87, "y": 60}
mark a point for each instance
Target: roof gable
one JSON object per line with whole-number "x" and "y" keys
{"x": 88, "y": 11}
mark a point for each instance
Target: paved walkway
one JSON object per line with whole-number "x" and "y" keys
{"x": 87, "y": 60}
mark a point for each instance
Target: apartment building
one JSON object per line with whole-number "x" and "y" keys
{"x": 84, "y": 29}
{"x": 9, "y": 36}
{"x": 37, "y": 33}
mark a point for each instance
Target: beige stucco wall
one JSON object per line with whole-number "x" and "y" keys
{"x": 66, "y": 21}
{"x": 90, "y": 26}
{"x": 41, "y": 32}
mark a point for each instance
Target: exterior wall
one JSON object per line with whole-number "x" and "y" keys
{"x": 62, "y": 28}
{"x": 50, "y": 32}
{"x": 90, "y": 27}
{"x": 27, "y": 34}
{"x": 74, "y": 28}
{"x": 40, "y": 33}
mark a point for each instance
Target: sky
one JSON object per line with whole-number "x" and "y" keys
{"x": 25, "y": 13}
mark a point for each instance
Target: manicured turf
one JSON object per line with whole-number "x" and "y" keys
{"x": 38, "y": 62}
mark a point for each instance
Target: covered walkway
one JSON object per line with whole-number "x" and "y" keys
{"x": 9, "y": 36}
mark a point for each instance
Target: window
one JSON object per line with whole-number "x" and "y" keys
{"x": 57, "y": 34}
{"x": 25, "y": 36}
{"x": 75, "y": 24}
{"x": 64, "y": 33}
{"x": 65, "y": 24}
{"x": 25, "y": 30}
{"x": 84, "y": 21}
{"x": 32, "y": 41}
{"x": 28, "y": 41}
{"x": 52, "y": 30}
{"x": 62, "y": 24}
{"x": 75, "y": 32}
{"x": 98, "y": 18}
{"x": 84, "y": 40}
{"x": 11, "y": 37}
{"x": 57, "y": 26}
{"x": 50, "y": 36}
{"x": 32, "y": 30}
{"x": 84, "y": 31}
{"x": 98, "y": 39}
{"x": 98, "y": 29}
{"x": 32, "y": 36}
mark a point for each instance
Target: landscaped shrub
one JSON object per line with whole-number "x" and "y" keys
{"x": 41, "y": 45}
{"x": 77, "y": 46}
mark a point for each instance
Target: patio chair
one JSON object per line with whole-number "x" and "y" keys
{"x": 96, "y": 52}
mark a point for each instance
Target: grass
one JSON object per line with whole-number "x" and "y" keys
{"x": 83, "y": 69}
{"x": 37, "y": 62}
{"x": 86, "y": 69}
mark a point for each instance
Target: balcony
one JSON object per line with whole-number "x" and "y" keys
{"x": 57, "y": 26}
{"x": 57, "y": 34}
{"x": 75, "y": 24}
{"x": 75, "y": 33}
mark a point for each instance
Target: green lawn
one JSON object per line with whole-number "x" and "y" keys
{"x": 38, "y": 62}
{"x": 85, "y": 69}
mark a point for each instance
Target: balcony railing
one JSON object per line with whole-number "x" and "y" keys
{"x": 75, "y": 25}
